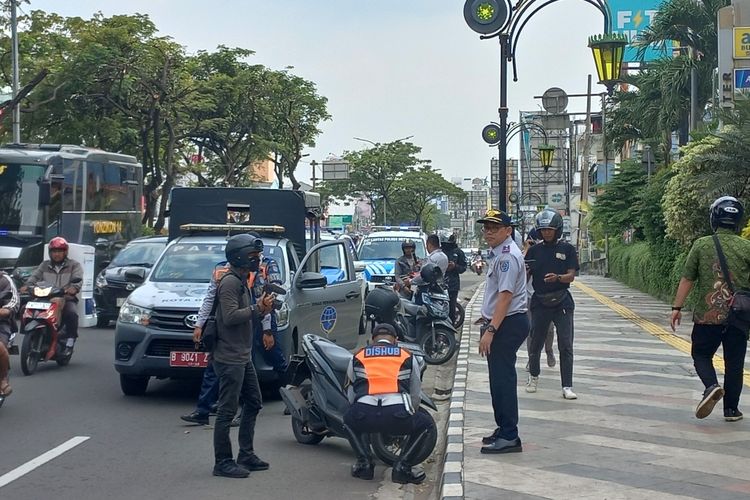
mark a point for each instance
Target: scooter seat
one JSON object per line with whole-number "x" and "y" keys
{"x": 336, "y": 356}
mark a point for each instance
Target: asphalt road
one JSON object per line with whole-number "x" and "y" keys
{"x": 137, "y": 447}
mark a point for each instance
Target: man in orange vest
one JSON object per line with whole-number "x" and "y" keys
{"x": 384, "y": 388}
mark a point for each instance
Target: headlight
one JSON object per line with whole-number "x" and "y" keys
{"x": 282, "y": 316}
{"x": 101, "y": 281}
{"x": 130, "y": 313}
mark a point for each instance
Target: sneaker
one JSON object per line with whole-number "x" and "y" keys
{"x": 253, "y": 463}
{"x": 551, "y": 361}
{"x": 711, "y": 396}
{"x": 228, "y": 468}
{"x": 567, "y": 393}
{"x": 732, "y": 415}
{"x": 532, "y": 384}
{"x": 196, "y": 418}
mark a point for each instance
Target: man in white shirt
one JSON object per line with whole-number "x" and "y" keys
{"x": 435, "y": 253}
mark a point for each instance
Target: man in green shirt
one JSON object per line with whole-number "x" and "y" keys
{"x": 710, "y": 329}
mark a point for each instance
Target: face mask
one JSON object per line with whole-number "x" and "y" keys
{"x": 253, "y": 264}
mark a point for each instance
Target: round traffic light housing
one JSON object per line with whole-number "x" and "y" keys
{"x": 491, "y": 134}
{"x": 485, "y": 16}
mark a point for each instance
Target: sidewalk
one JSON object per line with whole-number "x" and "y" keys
{"x": 631, "y": 434}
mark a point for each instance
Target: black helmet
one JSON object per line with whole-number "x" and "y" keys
{"x": 430, "y": 273}
{"x": 239, "y": 246}
{"x": 408, "y": 244}
{"x": 550, "y": 219}
{"x": 726, "y": 212}
{"x": 382, "y": 304}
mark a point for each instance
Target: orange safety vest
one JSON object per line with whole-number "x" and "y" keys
{"x": 221, "y": 271}
{"x": 382, "y": 364}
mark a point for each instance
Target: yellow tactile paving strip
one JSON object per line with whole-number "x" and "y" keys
{"x": 650, "y": 327}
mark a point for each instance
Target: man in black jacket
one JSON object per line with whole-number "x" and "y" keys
{"x": 232, "y": 358}
{"x": 456, "y": 267}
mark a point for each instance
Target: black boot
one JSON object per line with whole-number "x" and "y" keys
{"x": 404, "y": 471}
{"x": 364, "y": 468}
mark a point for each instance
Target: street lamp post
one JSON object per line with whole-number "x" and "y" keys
{"x": 502, "y": 19}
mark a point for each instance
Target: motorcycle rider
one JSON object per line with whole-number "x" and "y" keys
{"x": 405, "y": 266}
{"x": 384, "y": 389}
{"x": 435, "y": 254}
{"x": 8, "y": 310}
{"x": 456, "y": 266}
{"x": 62, "y": 272}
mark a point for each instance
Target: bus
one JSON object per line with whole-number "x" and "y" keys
{"x": 88, "y": 196}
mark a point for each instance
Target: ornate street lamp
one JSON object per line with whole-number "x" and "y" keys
{"x": 608, "y": 51}
{"x": 546, "y": 153}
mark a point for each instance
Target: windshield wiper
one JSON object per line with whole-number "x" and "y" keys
{"x": 138, "y": 264}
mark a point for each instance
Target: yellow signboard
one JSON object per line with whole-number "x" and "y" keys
{"x": 742, "y": 43}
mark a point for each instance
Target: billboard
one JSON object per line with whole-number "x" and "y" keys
{"x": 631, "y": 17}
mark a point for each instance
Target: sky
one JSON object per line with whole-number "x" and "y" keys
{"x": 389, "y": 68}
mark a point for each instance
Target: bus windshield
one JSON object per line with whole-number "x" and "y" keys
{"x": 19, "y": 198}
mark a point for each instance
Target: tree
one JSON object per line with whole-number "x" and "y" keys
{"x": 417, "y": 189}
{"x": 617, "y": 208}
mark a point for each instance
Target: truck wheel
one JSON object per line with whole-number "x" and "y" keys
{"x": 102, "y": 321}
{"x": 133, "y": 386}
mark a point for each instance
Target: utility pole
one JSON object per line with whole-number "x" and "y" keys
{"x": 14, "y": 61}
{"x": 314, "y": 178}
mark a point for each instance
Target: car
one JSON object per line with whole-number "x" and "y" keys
{"x": 111, "y": 287}
{"x": 380, "y": 249}
{"x": 153, "y": 334}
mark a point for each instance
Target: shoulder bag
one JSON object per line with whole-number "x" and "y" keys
{"x": 739, "y": 304}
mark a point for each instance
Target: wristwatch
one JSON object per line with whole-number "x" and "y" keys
{"x": 559, "y": 278}
{"x": 490, "y": 329}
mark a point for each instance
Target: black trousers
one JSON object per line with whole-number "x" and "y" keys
{"x": 503, "y": 378}
{"x": 70, "y": 319}
{"x": 706, "y": 340}
{"x": 453, "y": 296}
{"x": 393, "y": 419}
{"x": 541, "y": 318}
{"x": 236, "y": 381}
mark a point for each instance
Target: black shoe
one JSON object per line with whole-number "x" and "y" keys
{"x": 404, "y": 474}
{"x": 492, "y": 437}
{"x": 711, "y": 396}
{"x": 732, "y": 415}
{"x": 253, "y": 463}
{"x": 228, "y": 468}
{"x": 503, "y": 446}
{"x": 363, "y": 469}
{"x": 196, "y": 418}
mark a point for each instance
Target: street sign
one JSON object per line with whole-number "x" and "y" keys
{"x": 556, "y": 195}
{"x": 555, "y": 100}
{"x": 335, "y": 170}
{"x": 741, "y": 43}
{"x": 631, "y": 17}
{"x": 742, "y": 79}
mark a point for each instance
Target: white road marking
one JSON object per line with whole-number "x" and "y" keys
{"x": 42, "y": 459}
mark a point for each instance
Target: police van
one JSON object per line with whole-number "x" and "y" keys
{"x": 380, "y": 250}
{"x": 153, "y": 335}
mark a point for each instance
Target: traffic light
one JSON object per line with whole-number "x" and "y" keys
{"x": 485, "y": 16}
{"x": 491, "y": 134}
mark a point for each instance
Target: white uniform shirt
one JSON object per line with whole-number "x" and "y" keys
{"x": 438, "y": 258}
{"x": 506, "y": 273}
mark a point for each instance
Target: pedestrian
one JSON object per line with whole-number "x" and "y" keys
{"x": 504, "y": 328}
{"x": 435, "y": 255}
{"x": 553, "y": 265}
{"x": 456, "y": 267}
{"x": 384, "y": 388}
{"x": 703, "y": 271}
{"x": 532, "y": 239}
{"x": 232, "y": 358}
{"x": 9, "y": 305}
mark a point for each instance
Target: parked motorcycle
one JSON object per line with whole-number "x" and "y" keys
{"x": 460, "y": 316}
{"x": 425, "y": 322}
{"x": 42, "y": 339}
{"x": 317, "y": 400}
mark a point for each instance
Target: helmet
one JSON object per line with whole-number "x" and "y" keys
{"x": 239, "y": 246}
{"x": 550, "y": 219}
{"x": 58, "y": 243}
{"x": 408, "y": 244}
{"x": 430, "y": 273}
{"x": 726, "y": 212}
{"x": 382, "y": 304}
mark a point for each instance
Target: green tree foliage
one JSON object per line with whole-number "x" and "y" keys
{"x": 415, "y": 193}
{"x": 618, "y": 207}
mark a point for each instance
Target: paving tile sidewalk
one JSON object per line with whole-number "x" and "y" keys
{"x": 632, "y": 432}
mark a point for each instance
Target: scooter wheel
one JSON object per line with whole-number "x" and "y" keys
{"x": 303, "y": 435}
{"x": 442, "y": 350}
{"x": 387, "y": 447}
{"x": 460, "y": 316}
{"x": 30, "y": 352}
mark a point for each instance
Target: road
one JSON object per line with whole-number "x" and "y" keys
{"x": 137, "y": 447}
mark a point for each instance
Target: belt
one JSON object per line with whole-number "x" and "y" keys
{"x": 382, "y": 399}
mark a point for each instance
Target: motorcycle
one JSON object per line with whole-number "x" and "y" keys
{"x": 425, "y": 322}
{"x": 43, "y": 340}
{"x": 460, "y": 316}
{"x": 12, "y": 348}
{"x": 317, "y": 400}
{"x": 477, "y": 265}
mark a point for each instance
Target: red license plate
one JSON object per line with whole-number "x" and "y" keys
{"x": 190, "y": 359}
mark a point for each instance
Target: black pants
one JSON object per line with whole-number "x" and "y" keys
{"x": 706, "y": 340}
{"x": 502, "y": 367}
{"x": 453, "y": 296}
{"x": 393, "y": 419}
{"x": 541, "y": 318}
{"x": 69, "y": 319}
{"x": 236, "y": 381}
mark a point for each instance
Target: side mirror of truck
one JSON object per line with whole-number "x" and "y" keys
{"x": 45, "y": 193}
{"x": 309, "y": 280}
{"x": 359, "y": 266}
{"x": 135, "y": 275}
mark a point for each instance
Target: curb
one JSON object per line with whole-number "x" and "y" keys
{"x": 452, "y": 481}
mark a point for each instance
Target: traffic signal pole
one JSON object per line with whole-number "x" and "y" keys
{"x": 502, "y": 147}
